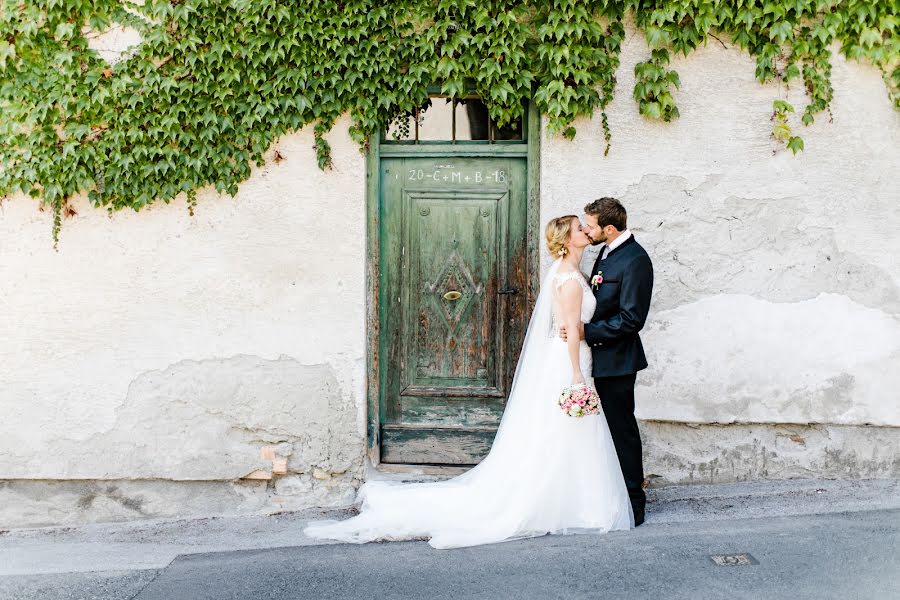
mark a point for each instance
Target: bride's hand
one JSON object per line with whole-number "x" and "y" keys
{"x": 578, "y": 379}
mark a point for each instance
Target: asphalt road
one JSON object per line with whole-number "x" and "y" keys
{"x": 838, "y": 555}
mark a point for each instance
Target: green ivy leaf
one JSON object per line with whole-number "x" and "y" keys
{"x": 657, "y": 37}
{"x": 674, "y": 79}
{"x": 64, "y": 31}
{"x": 791, "y": 72}
{"x": 781, "y": 131}
{"x": 651, "y": 109}
{"x": 782, "y": 106}
{"x": 795, "y": 144}
{"x": 7, "y": 52}
{"x": 780, "y": 31}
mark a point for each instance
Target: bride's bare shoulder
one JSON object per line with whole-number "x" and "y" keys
{"x": 568, "y": 271}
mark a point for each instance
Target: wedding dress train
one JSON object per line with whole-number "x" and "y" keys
{"x": 546, "y": 472}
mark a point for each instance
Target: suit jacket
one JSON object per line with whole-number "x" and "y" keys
{"x": 623, "y": 301}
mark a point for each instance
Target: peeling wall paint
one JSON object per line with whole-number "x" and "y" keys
{"x": 777, "y": 291}
{"x": 211, "y": 420}
{"x": 735, "y": 358}
{"x": 224, "y": 347}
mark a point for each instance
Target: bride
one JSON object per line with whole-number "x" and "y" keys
{"x": 546, "y": 472}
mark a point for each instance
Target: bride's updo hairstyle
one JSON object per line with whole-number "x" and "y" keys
{"x": 557, "y": 234}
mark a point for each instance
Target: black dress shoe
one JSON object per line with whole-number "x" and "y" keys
{"x": 638, "y": 517}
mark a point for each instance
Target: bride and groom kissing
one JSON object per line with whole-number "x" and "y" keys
{"x": 546, "y": 472}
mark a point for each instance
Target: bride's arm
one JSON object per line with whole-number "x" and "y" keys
{"x": 570, "y": 300}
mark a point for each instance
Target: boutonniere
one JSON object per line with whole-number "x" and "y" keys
{"x": 597, "y": 279}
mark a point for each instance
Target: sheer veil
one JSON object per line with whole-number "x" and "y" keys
{"x": 535, "y": 349}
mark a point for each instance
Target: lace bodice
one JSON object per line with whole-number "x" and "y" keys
{"x": 588, "y": 302}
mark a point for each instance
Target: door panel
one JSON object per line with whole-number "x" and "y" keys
{"x": 452, "y": 301}
{"x": 453, "y": 250}
{"x": 435, "y": 445}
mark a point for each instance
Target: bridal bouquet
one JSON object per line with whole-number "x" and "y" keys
{"x": 579, "y": 400}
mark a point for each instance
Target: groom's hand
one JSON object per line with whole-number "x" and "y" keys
{"x": 564, "y": 335}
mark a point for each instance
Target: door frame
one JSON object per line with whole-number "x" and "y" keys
{"x": 531, "y": 150}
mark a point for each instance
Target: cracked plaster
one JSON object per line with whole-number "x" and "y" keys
{"x": 777, "y": 277}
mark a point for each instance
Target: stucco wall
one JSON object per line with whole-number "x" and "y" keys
{"x": 156, "y": 345}
{"x": 162, "y": 364}
{"x": 776, "y": 295}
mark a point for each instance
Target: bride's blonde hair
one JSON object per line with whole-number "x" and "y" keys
{"x": 557, "y": 234}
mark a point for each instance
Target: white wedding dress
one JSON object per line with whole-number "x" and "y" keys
{"x": 546, "y": 472}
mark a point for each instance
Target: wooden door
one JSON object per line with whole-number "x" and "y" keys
{"x": 451, "y": 303}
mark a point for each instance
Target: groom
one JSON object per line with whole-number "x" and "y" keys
{"x": 622, "y": 282}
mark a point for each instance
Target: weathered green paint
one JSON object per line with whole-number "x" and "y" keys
{"x": 373, "y": 167}
{"x": 435, "y": 445}
{"x": 452, "y": 237}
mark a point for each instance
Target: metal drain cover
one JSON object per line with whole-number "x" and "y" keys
{"x": 733, "y": 560}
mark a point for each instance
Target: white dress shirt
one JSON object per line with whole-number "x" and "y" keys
{"x": 616, "y": 243}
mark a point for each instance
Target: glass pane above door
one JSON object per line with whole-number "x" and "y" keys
{"x": 442, "y": 119}
{"x": 472, "y": 121}
{"x": 436, "y": 121}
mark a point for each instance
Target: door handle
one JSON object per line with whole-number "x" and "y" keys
{"x": 508, "y": 292}
{"x": 453, "y": 295}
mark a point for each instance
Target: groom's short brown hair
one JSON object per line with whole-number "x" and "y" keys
{"x": 608, "y": 211}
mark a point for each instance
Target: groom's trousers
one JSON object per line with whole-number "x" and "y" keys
{"x": 617, "y": 400}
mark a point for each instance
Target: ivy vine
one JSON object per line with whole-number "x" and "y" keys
{"x": 215, "y": 82}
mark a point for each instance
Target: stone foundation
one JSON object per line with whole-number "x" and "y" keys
{"x": 679, "y": 453}
{"x": 675, "y": 453}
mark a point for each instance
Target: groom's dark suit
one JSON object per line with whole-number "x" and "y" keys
{"x": 623, "y": 301}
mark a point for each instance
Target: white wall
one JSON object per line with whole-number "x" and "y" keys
{"x": 157, "y": 345}
{"x": 776, "y": 295}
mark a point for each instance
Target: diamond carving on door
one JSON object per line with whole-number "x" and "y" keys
{"x": 454, "y": 290}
